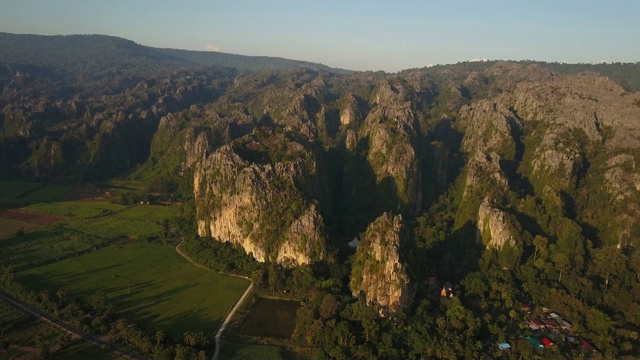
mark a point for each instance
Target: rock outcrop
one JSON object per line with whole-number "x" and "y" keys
{"x": 389, "y": 130}
{"x": 493, "y": 227}
{"x": 380, "y": 272}
{"x": 261, "y": 204}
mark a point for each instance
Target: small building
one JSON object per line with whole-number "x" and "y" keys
{"x": 504, "y": 346}
{"x": 536, "y": 344}
{"x": 551, "y": 324}
{"x": 565, "y": 324}
{"x": 546, "y": 342}
{"x": 536, "y": 324}
{"x": 354, "y": 243}
{"x": 447, "y": 291}
{"x": 585, "y": 346}
{"x": 555, "y": 316}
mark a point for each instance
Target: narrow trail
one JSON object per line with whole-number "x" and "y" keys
{"x": 235, "y": 307}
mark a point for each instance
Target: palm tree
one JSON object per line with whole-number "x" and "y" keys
{"x": 62, "y": 292}
{"x": 190, "y": 339}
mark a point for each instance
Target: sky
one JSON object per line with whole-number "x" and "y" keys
{"x": 353, "y": 34}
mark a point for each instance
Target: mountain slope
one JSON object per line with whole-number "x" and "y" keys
{"x": 76, "y": 53}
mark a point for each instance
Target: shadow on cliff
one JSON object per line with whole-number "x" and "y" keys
{"x": 358, "y": 198}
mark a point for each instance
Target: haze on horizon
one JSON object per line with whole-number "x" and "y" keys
{"x": 358, "y": 35}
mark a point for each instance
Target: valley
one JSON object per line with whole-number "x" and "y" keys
{"x": 436, "y": 212}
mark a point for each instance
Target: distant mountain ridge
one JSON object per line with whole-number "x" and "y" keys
{"x": 70, "y": 53}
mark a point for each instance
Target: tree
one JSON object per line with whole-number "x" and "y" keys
{"x": 61, "y": 293}
{"x": 607, "y": 262}
{"x": 541, "y": 243}
{"x": 159, "y": 336}
{"x": 190, "y": 339}
{"x": 328, "y": 306}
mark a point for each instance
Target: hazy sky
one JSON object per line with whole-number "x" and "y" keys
{"x": 360, "y": 35}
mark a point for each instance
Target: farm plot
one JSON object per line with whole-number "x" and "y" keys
{"x": 148, "y": 283}
{"x": 44, "y": 246}
{"x": 21, "y": 193}
{"x": 270, "y": 318}
{"x": 76, "y": 209}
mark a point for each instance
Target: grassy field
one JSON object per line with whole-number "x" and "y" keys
{"x": 148, "y": 283}
{"x": 149, "y": 212}
{"x": 44, "y": 246}
{"x": 14, "y": 193}
{"x": 113, "y": 227}
{"x": 77, "y": 209}
{"x": 83, "y": 350}
{"x": 234, "y": 351}
{"x": 237, "y": 351}
{"x": 89, "y": 226}
{"x": 14, "y": 189}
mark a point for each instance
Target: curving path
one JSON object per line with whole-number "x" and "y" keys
{"x": 235, "y": 307}
{"x": 64, "y": 326}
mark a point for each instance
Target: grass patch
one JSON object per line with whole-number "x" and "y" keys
{"x": 270, "y": 318}
{"x": 112, "y": 227}
{"x": 45, "y": 246}
{"x": 149, "y": 284}
{"x": 83, "y": 350}
{"x": 77, "y": 209}
{"x": 149, "y": 212}
{"x": 21, "y": 193}
{"x": 235, "y": 351}
{"x": 14, "y": 189}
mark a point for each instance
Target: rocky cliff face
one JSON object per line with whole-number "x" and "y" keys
{"x": 389, "y": 131}
{"x": 568, "y": 136}
{"x": 493, "y": 226}
{"x": 261, "y": 204}
{"x": 380, "y": 272}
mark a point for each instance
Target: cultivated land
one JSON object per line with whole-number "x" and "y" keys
{"x": 149, "y": 284}
{"x": 90, "y": 245}
{"x": 14, "y": 193}
{"x": 84, "y": 350}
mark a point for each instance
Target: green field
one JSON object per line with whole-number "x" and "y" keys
{"x": 44, "y": 246}
{"x": 14, "y": 189}
{"x": 148, "y": 283}
{"x": 149, "y": 212}
{"x": 83, "y": 350}
{"x": 76, "y": 209}
{"x": 234, "y": 351}
{"x": 21, "y": 193}
{"x": 107, "y": 220}
{"x": 113, "y": 227}
{"x": 90, "y": 225}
